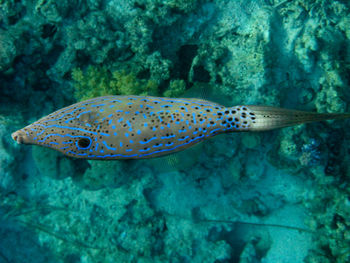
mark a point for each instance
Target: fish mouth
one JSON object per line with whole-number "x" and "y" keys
{"x": 19, "y": 136}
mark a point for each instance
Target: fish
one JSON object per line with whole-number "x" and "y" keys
{"x": 139, "y": 127}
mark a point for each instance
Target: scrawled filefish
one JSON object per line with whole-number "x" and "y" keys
{"x": 134, "y": 127}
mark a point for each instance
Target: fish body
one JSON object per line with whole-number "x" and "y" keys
{"x": 137, "y": 127}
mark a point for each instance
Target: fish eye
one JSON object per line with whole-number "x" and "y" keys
{"x": 84, "y": 143}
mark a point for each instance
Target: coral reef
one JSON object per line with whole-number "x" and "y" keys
{"x": 190, "y": 206}
{"x": 52, "y": 164}
{"x": 176, "y": 88}
{"x": 99, "y": 82}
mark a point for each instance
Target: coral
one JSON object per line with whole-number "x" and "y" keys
{"x": 99, "y": 81}
{"x": 306, "y": 96}
{"x": 158, "y": 66}
{"x": 291, "y": 54}
{"x": 328, "y": 201}
{"x": 212, "y": 250}
{"x": 176, "y": 88}
{"x": 101, "y": 174}
{"x": 235, "y": 172}
{"x": 127, "y": 84}
{"x": 62, "y": 65}
{"x": 289, "y": 143}
{"x": 331, "y": 223}
{"x": 94, "y": 82}
{"x": 10, "y": 157}
{"x": 237, "y": 62}
{"x": 51, "y": 10}
{"x": 17, "y": 235}
{"x": 328, "y": 100}
{"x": 53, "y": 164}
{"x": 6, "y": 160}
{"x": 182, "y": 5}
{"x": 10, "y": 11}
{"x": 8, "y": 49}
{"x": 310, "y": 153}
{"x": 251, "y": 141}
{"x": 92, "y": 37}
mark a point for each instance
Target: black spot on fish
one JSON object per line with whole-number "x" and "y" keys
{"x": 83, "y": 142}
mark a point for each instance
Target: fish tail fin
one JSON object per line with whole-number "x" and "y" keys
{"x": 268, "y": 118}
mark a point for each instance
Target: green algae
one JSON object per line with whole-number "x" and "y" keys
{"x": 99, "y": 81}
{"x": 176, "y": 89}
{"x": 129, "y": 84}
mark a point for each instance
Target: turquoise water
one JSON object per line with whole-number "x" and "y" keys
{"x": 277, "y": 196}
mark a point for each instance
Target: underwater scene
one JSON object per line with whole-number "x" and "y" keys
{"x": 139, "y": 131}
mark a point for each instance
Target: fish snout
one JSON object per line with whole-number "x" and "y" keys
{"x": 19, "y": 136}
